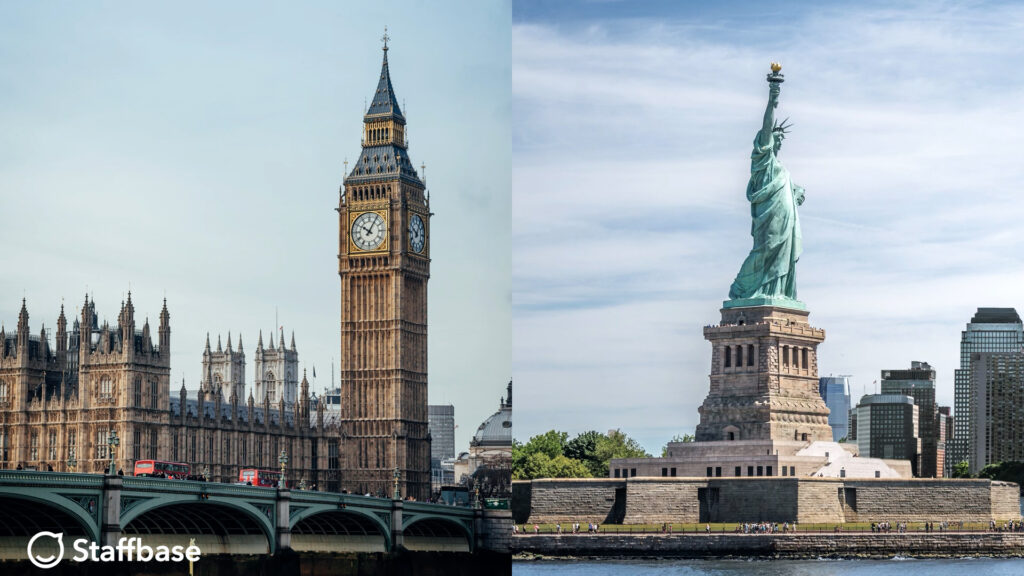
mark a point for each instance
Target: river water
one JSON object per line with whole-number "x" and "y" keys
{"x": 893, "y": 567}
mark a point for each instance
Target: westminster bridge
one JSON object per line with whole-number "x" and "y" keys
{"x": 231, "y": 518}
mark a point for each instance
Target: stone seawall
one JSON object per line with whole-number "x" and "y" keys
{"x": 583, "y": 499}
{"x": 773, "y": 499}
{"x": 845, "y": 545}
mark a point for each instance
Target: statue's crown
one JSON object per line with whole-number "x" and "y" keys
{"x": 782, "y": 128}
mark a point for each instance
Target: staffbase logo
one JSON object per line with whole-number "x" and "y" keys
{"x": 127, "y": 550}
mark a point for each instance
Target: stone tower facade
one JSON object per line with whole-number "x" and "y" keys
{"x": 384, "y": 264}
{"x": 62, "y": 393}
{"x": 764, "y": 378}
{"x": 224, "y": 370}
{"x": 61, "y": 404}
{"x": 277, "y": 370}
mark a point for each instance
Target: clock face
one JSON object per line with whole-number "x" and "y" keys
{"x": 416, "y": 233}
{"x": 368, "y": 231}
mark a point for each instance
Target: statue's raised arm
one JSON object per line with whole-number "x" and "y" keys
{"x": 768, "y": 275}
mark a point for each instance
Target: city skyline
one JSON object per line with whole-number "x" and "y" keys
{"x": 902, "y": 139}
{"x": 200, "y": 160}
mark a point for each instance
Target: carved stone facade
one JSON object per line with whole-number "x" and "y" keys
{"x": 277, "y": 370}
{"x": 764, "y": 378}
{"x": 58, "y": 405}
{"x": 384, "y": 265}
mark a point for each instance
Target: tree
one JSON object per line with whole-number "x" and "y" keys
{"x": 539, "y": 465}
{"x": 1009, "y": 471}
{"x": 584, "y": 448}
{"x": 677, "y": 438}
{"x": 543, "y": 457}
{"x": 551, "y": 443}
{"x": 961, "y": 470}
{"x": 616, "y": 445}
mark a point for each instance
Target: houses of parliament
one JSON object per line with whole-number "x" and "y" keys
{"x": 62, "y": 394}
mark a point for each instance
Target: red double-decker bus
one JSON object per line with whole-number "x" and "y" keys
{"x": 256, "y": 477}
{"x": 160, "y": 469}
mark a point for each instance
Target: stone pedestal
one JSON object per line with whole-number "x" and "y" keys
{"x": 764, "y": 378}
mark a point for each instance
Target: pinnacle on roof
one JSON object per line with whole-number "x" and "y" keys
{"x": 293, "y": 340}
{"x": 219, "y": 348}
{"x": 384, "y": 102}
{"x": 23, "y": 317}
{"x": 207, "y": 341}
{"x": 239, "y": 342}
{"x": 229, "y": 341}
{"x": 259, "y": 344}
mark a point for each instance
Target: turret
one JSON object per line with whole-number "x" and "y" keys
{"x": 229, "y": 342}
{"x": 147, "y": 341}
{"x": 259, "y": 344}
{"x": 293, "y": 340}
{"x": 183, "y": 395}
{"x": 62, "y": 333}
{"x": 23, "y": 332}
{"x": 165, "y": 333}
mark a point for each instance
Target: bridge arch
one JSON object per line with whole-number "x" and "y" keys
{"x": 329, "y": 528}
{"x": 220, "y": 526}
{"x": 66, "y": 515}
{"x": 430, "y": 532}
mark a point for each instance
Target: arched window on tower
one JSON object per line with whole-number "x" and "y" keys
{"x": 4, "y": 391}
{"x": 728, "y": 356}
{"x": 750, "y": 354}
{"x": 739, "y": 356}
{"x": 803, "y": 361}
{"x": 271, "y": 388}
{"x": 106, "y": 387}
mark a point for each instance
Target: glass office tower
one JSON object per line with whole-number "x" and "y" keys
{"x": 835, "y": 391}
{"x": 990, "y": 330}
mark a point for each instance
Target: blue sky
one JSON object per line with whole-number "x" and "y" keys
{"x": 632, "y": 134}
{"x": 195, "y": 150}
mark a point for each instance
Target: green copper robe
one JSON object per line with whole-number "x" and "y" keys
{"x": 770, "y": 268}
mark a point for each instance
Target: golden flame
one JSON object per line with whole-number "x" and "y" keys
{"x": 776, "y": 66}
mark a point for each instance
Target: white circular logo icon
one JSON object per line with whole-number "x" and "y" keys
{"x": 50, "y": 561}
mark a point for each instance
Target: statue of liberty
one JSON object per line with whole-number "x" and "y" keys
{"x": 768, "y": 275}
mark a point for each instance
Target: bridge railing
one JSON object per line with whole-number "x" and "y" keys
{"x": 37, "y": 478}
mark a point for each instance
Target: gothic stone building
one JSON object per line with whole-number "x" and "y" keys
{"x": 384, "y": 264}
{"x": 61, "y": 404}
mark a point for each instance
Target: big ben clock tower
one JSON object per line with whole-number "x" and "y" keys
{"x": 384, "y": 264}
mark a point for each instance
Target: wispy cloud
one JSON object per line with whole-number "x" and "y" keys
{"x": 632, "y": 138}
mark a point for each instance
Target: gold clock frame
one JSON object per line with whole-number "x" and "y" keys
{"x": 385, "y": 244}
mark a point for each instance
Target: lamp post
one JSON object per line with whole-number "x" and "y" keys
{"x": 398, "y": 493}
{"x": 112, "y": 443}
{"x": 283, "y": 460}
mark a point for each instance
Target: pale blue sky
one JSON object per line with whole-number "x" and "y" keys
{"x": 195, "y": 150}
{"x": 632, "y": 135}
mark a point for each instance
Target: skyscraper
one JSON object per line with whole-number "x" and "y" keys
{"x": 887, "y": 428}
{"x": 442, "y": 445}
{"x": 997, "y": 409}
{"x": 919, "y": 383}
{"x": 835, "y": 391}
{"x": 990, "y": 330}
